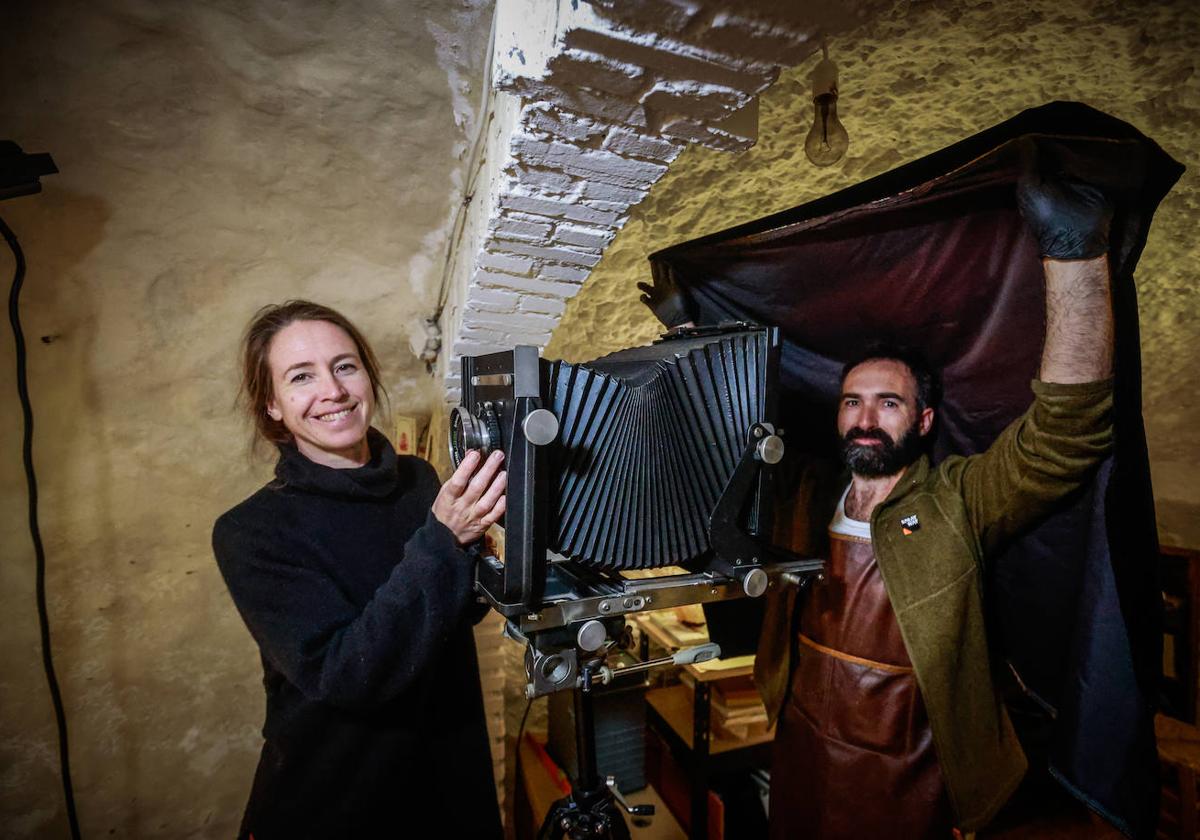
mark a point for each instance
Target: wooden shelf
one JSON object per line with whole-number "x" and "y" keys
{"x": 674, "y": 704}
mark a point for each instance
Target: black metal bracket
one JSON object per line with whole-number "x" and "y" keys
{"x": 736, "y": 551}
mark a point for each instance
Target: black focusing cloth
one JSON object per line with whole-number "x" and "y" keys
{"x": 934, "y": 254}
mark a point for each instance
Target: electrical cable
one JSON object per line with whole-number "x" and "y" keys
{"x": 474, "y": 167}
{"x": 60, "y": 718}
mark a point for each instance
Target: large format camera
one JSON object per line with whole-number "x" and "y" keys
{"x": 657, "y": 457}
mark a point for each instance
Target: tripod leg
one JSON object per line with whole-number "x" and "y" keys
{"x": 619, "y": 829}
{"x": 554, "y": 826}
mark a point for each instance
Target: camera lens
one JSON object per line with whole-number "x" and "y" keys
{"x": 468, "y": 431}
{"x": 464, "y": 434}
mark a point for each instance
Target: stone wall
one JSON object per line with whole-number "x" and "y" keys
{"x": 215, "y": 156}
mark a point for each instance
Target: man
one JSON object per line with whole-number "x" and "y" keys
{"x": 889, "y": 722}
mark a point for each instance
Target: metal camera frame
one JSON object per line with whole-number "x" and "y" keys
{"x": 564, "y": 611}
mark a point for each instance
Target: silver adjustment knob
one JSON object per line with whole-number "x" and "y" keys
{"x": 540, "y": 427}
{"x": 770, "y": 449}
{"x": 591, "y": 635}
{"x": 754, "y": 582}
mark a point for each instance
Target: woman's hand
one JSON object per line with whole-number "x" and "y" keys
{"x": 472, "y": 501}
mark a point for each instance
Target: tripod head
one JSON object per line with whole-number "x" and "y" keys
{"x": 576, "y": 656}
{"x": 590, "y": 810}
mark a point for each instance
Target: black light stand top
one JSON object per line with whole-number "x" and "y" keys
{"x": 19, "y": 172}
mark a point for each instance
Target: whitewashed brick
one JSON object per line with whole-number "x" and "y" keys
{"x": 546, "y": 283}
{"x": 588, "y": 163}
{"x": 467, "y": 347}
{"x": 608, "y": 206}
{"x": 592, "y": 104}
{"x": 672, "y": 59}
{"x": 517, "y": 216}
{"x": 562, "y": 209}
{"x": 544, "y": 117}
{"x": 518, "y": 335}
{"x": 735, "y": 133}
{"x": 587, "y": 237}
{"x": 626, "y": 142}
{"x": 488, "y": 336}
{"x": 561, "y": 254}
{"x": 517, "y": 229}
{"x": 684, "y": 128}
{"x": 606, "y": 166}
{"x": 504, "y": 262}
{"x": 494, "y": 297}
{"x": 551, "y": 181}
{"x": 567, "y": 273}
{"x": 691, "y": 100}
{"x": 607, "y": 192}
{"x": 530, "y": 322}
{"x": 586, "y": 69}
{"x": 546, "y": 305}
{"x": 655, "y": 15}
{"x": 770, "y": 42}
{"x": 476, "y": 305}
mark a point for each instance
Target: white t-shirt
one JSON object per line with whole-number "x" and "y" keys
{"x": 846, "y": 526}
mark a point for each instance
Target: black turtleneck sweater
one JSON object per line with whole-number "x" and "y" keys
{"x": 361, "y": 604}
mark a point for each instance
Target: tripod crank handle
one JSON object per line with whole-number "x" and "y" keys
{"x": 633, "y": 810}
{"x": 696, "y": 654}
{"x": 797, "y": 579}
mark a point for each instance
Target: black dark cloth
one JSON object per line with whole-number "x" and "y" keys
{"x": 361, "y": 603}
{"x": 935, "y": 254}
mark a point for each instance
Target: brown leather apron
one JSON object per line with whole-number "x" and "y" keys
{"x": 853, "y": 754}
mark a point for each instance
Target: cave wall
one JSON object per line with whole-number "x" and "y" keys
{"x": 914, "y": 80}
{"x": 215, "y": 156}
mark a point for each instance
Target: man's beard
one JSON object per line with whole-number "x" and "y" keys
{"x": 886, "y": 458}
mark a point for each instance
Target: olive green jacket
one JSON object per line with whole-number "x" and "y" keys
{"x": 966, "y": 508}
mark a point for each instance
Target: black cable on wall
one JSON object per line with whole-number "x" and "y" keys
{"x": 60, "y": 718}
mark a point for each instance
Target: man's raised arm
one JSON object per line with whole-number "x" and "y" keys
{"x": 1070, "y": 220}
{"x": 1079, "y": 321}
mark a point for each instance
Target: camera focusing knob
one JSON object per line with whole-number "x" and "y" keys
{"x": 770, "y": 449}
{"x": 540, "y": 426}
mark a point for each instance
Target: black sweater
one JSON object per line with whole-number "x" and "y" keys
{"x": 361, "y": 604}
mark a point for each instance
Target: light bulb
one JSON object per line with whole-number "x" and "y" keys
{"x": 827, "y": 140}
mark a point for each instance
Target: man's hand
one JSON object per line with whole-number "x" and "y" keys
{"x": 664, "y": 298}
{"x": 472, "y": 501}
{"x": 1069, "y": 218}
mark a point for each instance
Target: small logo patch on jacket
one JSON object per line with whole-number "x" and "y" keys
{"x": 909, "y": 524}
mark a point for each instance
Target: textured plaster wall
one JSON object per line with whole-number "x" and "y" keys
{"x": 215, "y": 156}
{"x": 918, "y": 79}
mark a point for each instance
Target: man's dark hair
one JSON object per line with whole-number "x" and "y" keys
{"x": 928, "y": 378}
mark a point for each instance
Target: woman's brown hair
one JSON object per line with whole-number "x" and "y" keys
{"x": 257, "y": 390}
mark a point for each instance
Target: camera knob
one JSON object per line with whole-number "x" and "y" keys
{"x": 770, "y": 449}
{"x": 540, "y": 427}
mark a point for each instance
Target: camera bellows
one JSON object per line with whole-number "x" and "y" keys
{"x": 648, "y": 440}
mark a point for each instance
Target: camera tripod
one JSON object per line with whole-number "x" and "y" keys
{"x": 590, "y": 810}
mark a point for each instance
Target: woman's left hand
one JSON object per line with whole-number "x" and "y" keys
{"x": 473, "y": 499}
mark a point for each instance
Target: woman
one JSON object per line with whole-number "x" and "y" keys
{"x": 352, "y": 571}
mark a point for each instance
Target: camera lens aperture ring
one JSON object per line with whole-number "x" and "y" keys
{"x": 470, "y": 431}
